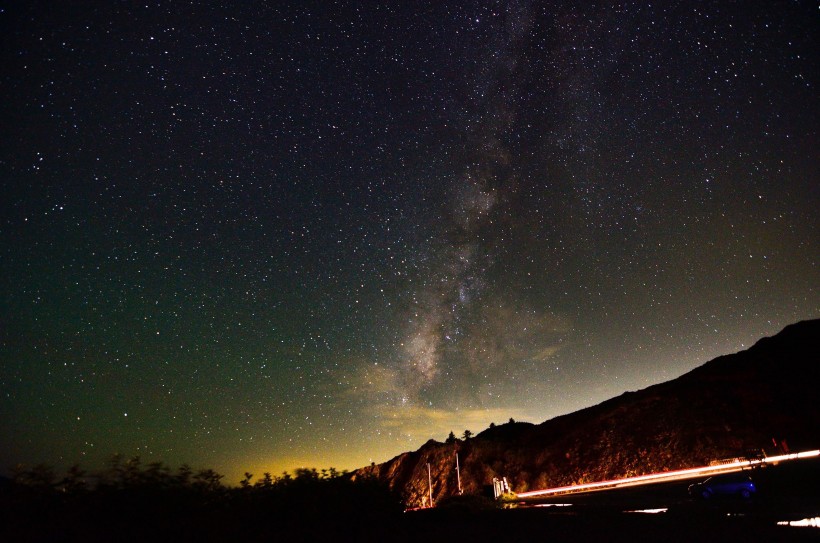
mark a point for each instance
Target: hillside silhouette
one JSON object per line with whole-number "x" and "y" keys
{"x": 758, "y": 401}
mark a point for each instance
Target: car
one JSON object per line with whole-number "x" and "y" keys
{"x": 738, "y": 485}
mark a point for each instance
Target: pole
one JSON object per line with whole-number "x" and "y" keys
{"x": 430, "y": 484}
{"x": 458, "y": 476}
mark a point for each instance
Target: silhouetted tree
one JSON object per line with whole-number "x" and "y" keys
{"x": 266, "y": 481}
{"x": 74, "y": 480}
{"x": 467, "y": 435}
{"x": 40, "y": 476}
{"x": 157, "y": 475}
{"x": 131, "y": 472}
{"x": 307, "y": 474}
{"x": 183, "y": 477}
{"x": 207, "y": 480}
{"x": 451, "y": 438}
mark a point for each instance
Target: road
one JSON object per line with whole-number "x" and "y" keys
{"x": 785, "y": 508}
{"x": 669, "y": 476}
{"x": 788, "y": 495}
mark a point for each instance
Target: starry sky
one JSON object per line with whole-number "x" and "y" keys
{"x": 253, "y": 236}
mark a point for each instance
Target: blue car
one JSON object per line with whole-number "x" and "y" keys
{"x": 737, "y": 485}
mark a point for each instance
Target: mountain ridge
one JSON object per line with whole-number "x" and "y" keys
{"x": 760, "y": 398}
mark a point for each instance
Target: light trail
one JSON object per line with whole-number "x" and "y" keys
{"x": 813, "y": 522}
{"x": 669, "y": 475}
{"x": 650, "y": 511}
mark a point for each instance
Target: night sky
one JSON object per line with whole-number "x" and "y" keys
{"x": 255, "y": 236}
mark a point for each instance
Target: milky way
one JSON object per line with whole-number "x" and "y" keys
{"x": 261, "y": 237}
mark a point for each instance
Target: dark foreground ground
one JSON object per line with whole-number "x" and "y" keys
{"x": 602, "y": 525}
{"x": 440, "y": 526}
{"x": 787, "y": 493}
{"x": 435, "y": 526}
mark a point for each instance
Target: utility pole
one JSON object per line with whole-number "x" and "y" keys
{"x": 458, "y": 477}
{"x": 430, "y": 484}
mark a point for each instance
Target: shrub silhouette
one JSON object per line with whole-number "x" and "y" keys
{"x": 132, "y": 501}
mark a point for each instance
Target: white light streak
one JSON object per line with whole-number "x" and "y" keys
{"x": 650, "y": 511}
{"x": 670, "y": 475}
{"x": 813, "y": 522}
